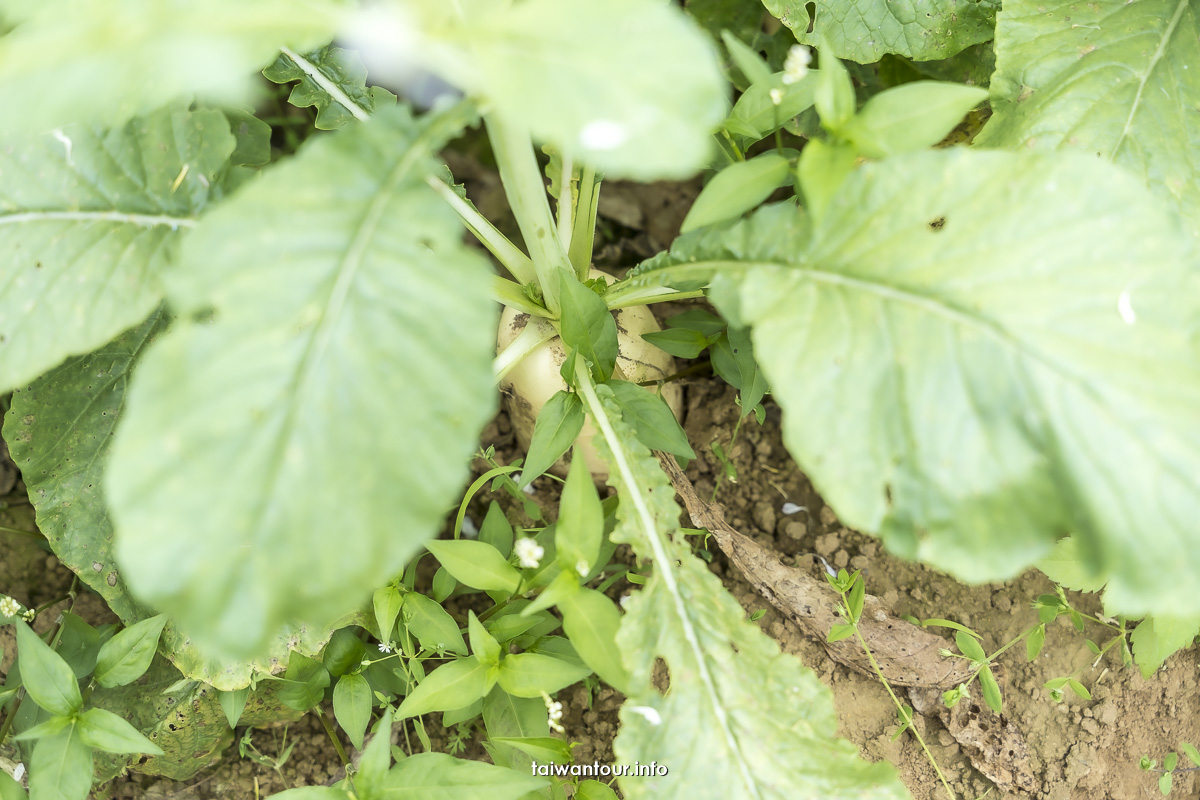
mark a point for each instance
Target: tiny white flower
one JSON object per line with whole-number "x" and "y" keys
{"x": 469, "y": 529}
{"x": 19, "y": 772}
{"x": 529, "y": 552}
{"x": 9, "y": 607}
{"x": 791, "y": 508}
{"x": 795, "y": 67}
{"x": 385, "y": 647}
{"x": 776, "y": 96}
{"x": 554, "y": 713}
{"x": 582, "y": 568}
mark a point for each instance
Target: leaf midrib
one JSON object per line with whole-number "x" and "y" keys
{"x": 1145, "y": 78}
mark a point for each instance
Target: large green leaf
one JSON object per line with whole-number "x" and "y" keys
{"x": 59, "y": 430}
{"x": 977, "y": 352}
{"x": 631, "y": 87}
{"x": 182, "y": 717}
{"x": 79, "y": 61}
{"x": 284, "y": 458}
{"x": 88, "y": 219}
{"x": 864, "y": 30}
{"x": 741, "y": 719}
{"x": 1112, "y": 78}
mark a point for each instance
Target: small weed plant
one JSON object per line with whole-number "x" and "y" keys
{"x": 250, "y": 355}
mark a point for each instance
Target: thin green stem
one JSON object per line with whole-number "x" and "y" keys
{"x": 511, "y": 294}
{"x": 18, "y": 531}
{"x": 583, "y": 233}
{"x": 526, "y": 192}
{"x": 526, "y": 342}
{"x": 507, "y": 253}
{"x": 649, "y": 295}
{"x": 337, "y": 745}
{"x": 895, "y": 700}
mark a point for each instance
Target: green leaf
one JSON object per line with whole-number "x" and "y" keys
{"x": 594, "y": 790}
{"x": 834, "y": 96}
{"x": 303, "y": 684}
{"x": 679, "y": 342}
{"x": 530, "y": 674}
{"x": 1164, "y": 784}
{"x": 587, "y": 325}
{"x": 311, "y": 793}
{"x": 838, "y": 632}
{"x": 106, "y": 731}
{"x": 752, "y": 65}
{"x": 822, "y": 170}
{"x": 58, "y": 432}
{"x": 863, "y": 30}
{"x": 756, "y": 115}
{"x": 737, "y": 189}
{"x": 126, "y": 657}
{"x": 69, "y": 61}
{"x": 373, "y": 767}
{"x": 48, "y": 728}
{"x": 630, "y": 87}
{"x": 1159, "y": 637}
{"x": 505, "y": 715}
{"x": 185, "y": 718}
{"x": 88, "y": 220}
{"x": 1191, "y": 753}
{"x": 448, "y": 687}
{"x": 991, "y": 690}
{"x": 1079, "y": 689}
{"x": 543, "y": 749}
{"x": 436, "y": 776}
{"x": 386, "y": 602}
{"x": 484, "y": 646}
{"x": 257, "y": 398}
{"x": 433, "y": 626}
{"x": 78, "y": 645}
{"x": 580, "y": 529}
{"x": 496, "y": 530}
{"x": 911, "y": 117}
{"x": 557, "y": 427}
{"x": 10, "y": 789}
{"x": 925, "y": 294}
{"x": 476, "y": 564}
{"x": 733, "y": 360}
{"x": 1033, "y": 644}
{"x": 61, "y": 767}
{"x": 47, "y": 678}
{"x": 731, "y": 688}
{"x": 969, "y": 646}
{"x": 651, "y": 417}
{"x": 344, "y": 652}
{"x": 1108, "y": 78}
{"x": 332, "y": 79}
{"x": 352, "y": 703}
{"x": 1068, "y": 565}
{"x": 233, "y": 703}
{"x": 591, "y": 621}
{"x": 856, "y": 598}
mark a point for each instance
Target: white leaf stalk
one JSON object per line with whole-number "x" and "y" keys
{"x": 663, "y": 565}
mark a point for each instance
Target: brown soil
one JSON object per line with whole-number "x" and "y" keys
{"x": 1078, "y": 749}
